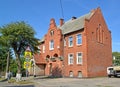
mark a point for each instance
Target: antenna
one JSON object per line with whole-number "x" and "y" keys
{"x": 61, "y": 8}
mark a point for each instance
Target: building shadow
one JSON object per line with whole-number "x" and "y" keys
{"x": 56, "y": 72}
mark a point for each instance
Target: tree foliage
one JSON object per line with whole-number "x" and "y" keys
{"x": 13, "y": 66}
{"x": 3, "y": 56}
{"x": 116, "y": 58}
{"x": 18, "y": 36}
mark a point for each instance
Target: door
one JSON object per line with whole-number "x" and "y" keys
{"x": 50, "y": 69}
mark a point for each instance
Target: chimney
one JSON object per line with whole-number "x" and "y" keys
{"x": 61, "y": 22}
{"x": 74, "y": 17}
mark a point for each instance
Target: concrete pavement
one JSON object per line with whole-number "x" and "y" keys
{"x": 75, "y": 82}
{"x": 67, "y": 82}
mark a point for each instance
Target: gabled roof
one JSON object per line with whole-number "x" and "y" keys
{"x": 75, "y": 24}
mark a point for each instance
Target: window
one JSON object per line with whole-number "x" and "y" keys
{"x": 71, "y": 73}
{"x": 51, "y": 32}
{"x": 39, "y": 50}
{"x": 70, "y": 59}
{"x": 79, "y": 58}
{"x": 79, "y": 74}
{"x": 79, "y": 39}
{"x": 97, "y": 35}
{"x": 70, "y": 41}
{"x": 51, "y": 44}
{"x": 102, "y": 36}
{"x": 43, "y": 49}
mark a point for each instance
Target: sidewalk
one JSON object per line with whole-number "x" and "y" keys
{"x": 5, "y": 83}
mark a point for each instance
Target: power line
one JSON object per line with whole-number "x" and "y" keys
{"x": 61, "y": 8}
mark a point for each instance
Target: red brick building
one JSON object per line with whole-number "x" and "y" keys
{"x": 80, "y": 47}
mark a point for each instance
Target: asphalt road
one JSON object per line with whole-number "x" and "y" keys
{"x": 73, "y": 82}
{"x": 69, "y": 82}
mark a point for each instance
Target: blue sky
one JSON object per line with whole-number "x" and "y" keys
{"x": 38, "y": 13}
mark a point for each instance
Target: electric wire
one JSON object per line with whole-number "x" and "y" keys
{"x": 61, "y": 9}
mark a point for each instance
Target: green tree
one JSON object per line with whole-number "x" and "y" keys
{"x": 4, "y": 59}
{"x": 13, "y": 66}
{"x": 4, "y": 44}
{"x": 19, "y": 35}
{"x": 116, "y": 58}
{"x": 3, "y": 56}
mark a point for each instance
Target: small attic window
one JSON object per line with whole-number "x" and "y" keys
{"x": 51, "y": 32}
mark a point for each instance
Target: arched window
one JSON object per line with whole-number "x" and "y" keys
{"x": 98, "y": 35}
{"x": 102, "y": 36}
{"x": 80, "y": 74}
{"x": 71, "y": 73}
{"x": 51, "y": 32}
{"x": 55, "y": 55}
{"x": 47, "y": 56}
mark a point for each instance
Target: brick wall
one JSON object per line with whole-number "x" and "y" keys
{"x": 99, "y": 51}
{"x": 95, "y": 48}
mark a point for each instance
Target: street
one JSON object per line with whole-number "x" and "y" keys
{"x": 68, "y": 82}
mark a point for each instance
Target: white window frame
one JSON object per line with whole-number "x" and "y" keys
{"x": 51, "y": 45}
{"x": 51, "y": 32}
{"x": 77, "y": 39}
{"x": 39, "y": 49}
{"x": 69, "y": 41}
{"x": 79, "y": 58}
{"x": 71, "y": 73}
{"x": 70, "y": 60}
{"x": 43, "y": 48}
{"x": 80, "y": 74}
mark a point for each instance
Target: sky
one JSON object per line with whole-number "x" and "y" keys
{"x": 38, "y": 13}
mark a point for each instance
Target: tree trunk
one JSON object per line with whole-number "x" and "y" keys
{"x": 7, "y": 67}
{"x": 19, "y": 74}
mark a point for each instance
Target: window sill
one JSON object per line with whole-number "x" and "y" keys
{"x": 70, "y": 64}
{"x": 79, "y": 64}
{"x": 70, "y": 47}
{"x": 51, "y": 49}
{"x": 78, "y": 44}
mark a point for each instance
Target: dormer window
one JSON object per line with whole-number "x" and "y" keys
{"x": 51, "y": 32}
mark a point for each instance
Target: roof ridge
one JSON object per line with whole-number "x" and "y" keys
{"x": 75, "y": 24}
{"x": 77, "y": 18}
